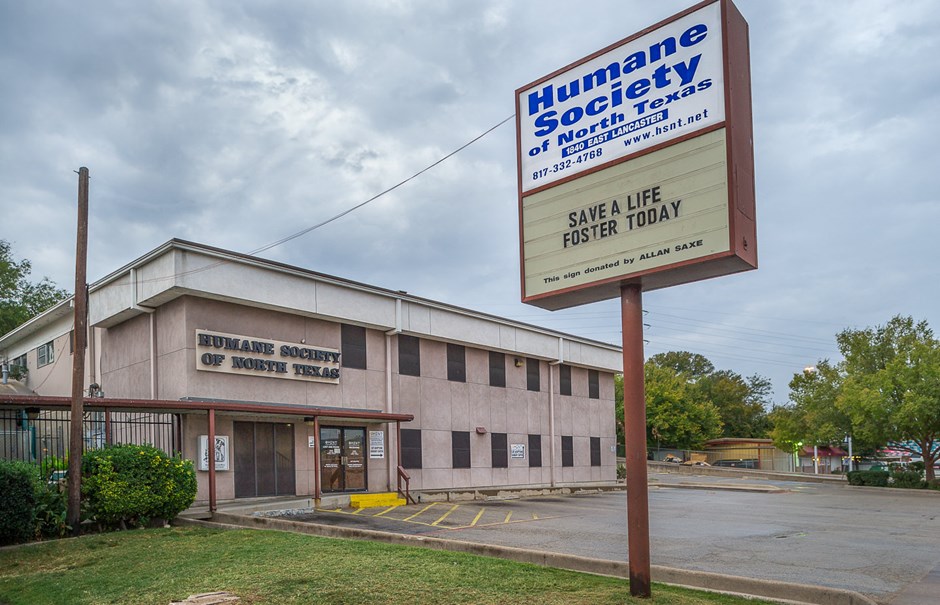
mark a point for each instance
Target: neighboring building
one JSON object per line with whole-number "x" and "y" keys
{"x": 740, "y": 452}
{"x": 310, "y": 376}
{"x": 827, "y": 459}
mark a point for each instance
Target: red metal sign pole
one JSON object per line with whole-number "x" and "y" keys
{"x": 634, "y": 421}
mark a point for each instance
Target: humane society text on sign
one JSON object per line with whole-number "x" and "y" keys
{"x": 650, "y": 90}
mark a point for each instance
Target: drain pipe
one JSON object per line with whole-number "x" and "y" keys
{"x": 551, "y": 406}
{"x": 153, "y": 332}
{"x": 388, "y": 393}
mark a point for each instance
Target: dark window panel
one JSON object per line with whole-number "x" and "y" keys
{"x": 409, "y": 355}
{"x": 353, "y": 351}
{"x": 411, "y": 448}
{"x": 456, "y": 363}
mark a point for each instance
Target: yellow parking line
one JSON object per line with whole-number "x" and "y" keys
{"x": 358, "y": 510}
{"x": 444, "y": 516}
{"x": 390, "y": 508}
{"x": 419, "y": 512}
{"x": 508, "y": 517}
{"x": 535, "y": 517}
{"x": 477, "y": 518}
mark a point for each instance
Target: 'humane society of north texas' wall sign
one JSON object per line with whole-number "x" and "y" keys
{"x": 636, "y": 163}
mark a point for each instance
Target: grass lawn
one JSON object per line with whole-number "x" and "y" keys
{"x": 161, "y": 565}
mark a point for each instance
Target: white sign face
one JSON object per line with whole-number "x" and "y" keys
{"x": 311, "y": 441}
{"x": 615, "y": 221}
{"x": 221, "y": 452}
{"x": 376, "y": 444}
{"x": 517, "y": 450}
{"x": 645, "y": 92}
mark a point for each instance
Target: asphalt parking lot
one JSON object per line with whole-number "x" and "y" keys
{"x": 876, "y": 542}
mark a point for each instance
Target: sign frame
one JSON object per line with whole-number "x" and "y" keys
{"x": 740, "y": 254}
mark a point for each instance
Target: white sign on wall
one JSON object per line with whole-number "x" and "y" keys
{"x": 517, "y": 450}
{"x": 376, "y": 444}
{"x": 221, "y": 452}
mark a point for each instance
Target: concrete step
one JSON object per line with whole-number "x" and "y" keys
{"x": 375, "y": 500}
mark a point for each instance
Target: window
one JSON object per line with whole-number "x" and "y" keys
{"x": 19, "y": 361}
{"x": 594, "y": 384}
{"x": 564, "y": 381}
{"x": 411, "y": 448}
{"x": 353, "y": 347}
{"x": 460, "y": 448}
{"x": 532, "y": 374}
{"x": 45, "y": 354}
{"x": 567, "y": 451}
{"x": 535, "y": 450}
{"x": 499, "y": 450}
{"x": 409, "y": 355}
{"x": 497, "y": 369}
{"x": 595, "y": 451}
{"x": 456, "y": 363}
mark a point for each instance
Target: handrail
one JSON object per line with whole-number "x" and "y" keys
{"x": 406, "y": 494}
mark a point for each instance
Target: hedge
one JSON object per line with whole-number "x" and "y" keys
{"x": 870, "y": 478}
{"x": 17, "y": 501}
{"x": 132, "y": 485}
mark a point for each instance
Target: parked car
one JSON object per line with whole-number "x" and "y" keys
{"x": 738, "y": 463}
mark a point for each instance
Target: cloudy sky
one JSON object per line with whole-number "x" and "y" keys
{"x": 237, "y": 124}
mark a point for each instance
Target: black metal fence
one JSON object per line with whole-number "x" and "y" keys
{"x": 43, "y": 436}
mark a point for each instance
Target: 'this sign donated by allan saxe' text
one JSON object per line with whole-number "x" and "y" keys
{"x": 249, "y": 356}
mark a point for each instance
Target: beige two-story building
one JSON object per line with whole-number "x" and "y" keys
{"x": 314, "y": 384}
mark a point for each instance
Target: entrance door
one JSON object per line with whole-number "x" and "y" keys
{"x": 263, "y": 457}
{"x": 342, "y": 459}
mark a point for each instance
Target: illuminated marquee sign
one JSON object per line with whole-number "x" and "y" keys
{"x": 636, "y": 163}
{"x": 249, "y": 356}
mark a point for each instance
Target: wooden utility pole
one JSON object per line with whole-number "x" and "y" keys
{"x": 80, "y": 299}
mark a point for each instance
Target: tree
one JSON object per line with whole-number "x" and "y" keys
{"x": 692, "y": 365}
{"x": 674, "y": 415}
{"x": 891, "y": 386}
{"x": 812, "y": 415}
{"x": 20, "y": 299}
{"x": 741, "y": 402}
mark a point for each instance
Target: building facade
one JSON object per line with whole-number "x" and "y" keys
{"x": 322, "y": 385}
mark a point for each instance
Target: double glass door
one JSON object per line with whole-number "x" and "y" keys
{"x": 342, "y": 459}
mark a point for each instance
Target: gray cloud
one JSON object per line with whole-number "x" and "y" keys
{"x": 236, "y": 124}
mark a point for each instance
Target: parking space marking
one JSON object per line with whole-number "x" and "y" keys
{"x": 456, "y": 517}
{"x": 387, "y": 510}
{"x": 445, "y": 515}
{"x": 428, "y": 507}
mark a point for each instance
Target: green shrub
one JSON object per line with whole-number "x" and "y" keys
{"x": 51, "y": 511}
{"x": 131, "y": 485}
{"x": 869, "y": 478}
{"x": 907, "y": 479}
{"x": 916, "y": 466}
{"x": 17, "y": 501}
{"x": 621, "y": 472}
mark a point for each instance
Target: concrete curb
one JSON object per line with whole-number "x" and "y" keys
{"x": 715, "y": 471}
{"x": 770, "y": 489}
{"x": 783, "y": 592}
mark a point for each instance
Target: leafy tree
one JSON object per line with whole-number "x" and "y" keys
{"x": 692, "y": 365}
{"x": 740, "y": 402}
{"x": 812, "y": 415}
{"x": 674, "y": 415}
{"x": 886, "y": 391}
{"x": 19, "y": 298}
{"x": 891, "y": 386}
